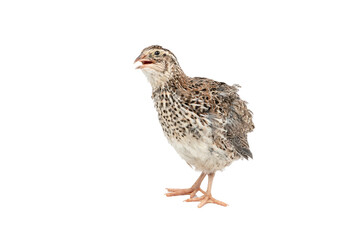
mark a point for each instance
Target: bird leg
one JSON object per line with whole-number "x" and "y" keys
{"x": 187, "y": 191}
{"x": 207, "y": 198}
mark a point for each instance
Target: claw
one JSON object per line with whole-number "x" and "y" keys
{"x": 204, "y": 200}
{"x": 178, "y": 191}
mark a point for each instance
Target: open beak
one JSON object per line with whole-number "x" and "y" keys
{"x": 145, "y": 62}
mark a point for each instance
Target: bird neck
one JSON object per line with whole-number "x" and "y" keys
{"x": 159, "y": 80}
{"x": 178, "y": 76}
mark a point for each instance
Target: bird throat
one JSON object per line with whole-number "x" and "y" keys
{"x": 160, "y": 79}
{"x": 155, "y": 78}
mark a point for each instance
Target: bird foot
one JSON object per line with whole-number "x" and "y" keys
{"x": 205, "y": 199}
{"x": 186, "y": 191}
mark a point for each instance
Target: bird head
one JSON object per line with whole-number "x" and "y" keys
{"x": 156, "y": 59}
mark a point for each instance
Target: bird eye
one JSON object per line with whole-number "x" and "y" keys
{"x": 157, "y": 53}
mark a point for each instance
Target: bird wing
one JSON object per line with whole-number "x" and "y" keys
{"x": 228, "y": 114}
{"x": 229, "y": 117}
{"x": 238, "y": 124}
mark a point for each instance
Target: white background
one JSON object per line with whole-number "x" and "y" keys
{"x": 82, "y": 155}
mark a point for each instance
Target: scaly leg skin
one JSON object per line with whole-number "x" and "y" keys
{"x": 187, "y": 191}
{"x": 207, "y": 198}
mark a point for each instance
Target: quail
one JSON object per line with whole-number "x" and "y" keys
{"x": 204, "y": 120}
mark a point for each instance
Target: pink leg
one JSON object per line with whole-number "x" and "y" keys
{"x": 187, "y": 191}
{"x": 207, "y": 198}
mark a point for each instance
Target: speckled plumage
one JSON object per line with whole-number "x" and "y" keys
{"x": 204, "y": 120}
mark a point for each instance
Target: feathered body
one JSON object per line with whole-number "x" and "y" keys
{"x": 204, "y": 120}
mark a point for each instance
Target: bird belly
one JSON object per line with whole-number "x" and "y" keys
{"x": 201, "y": 153}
